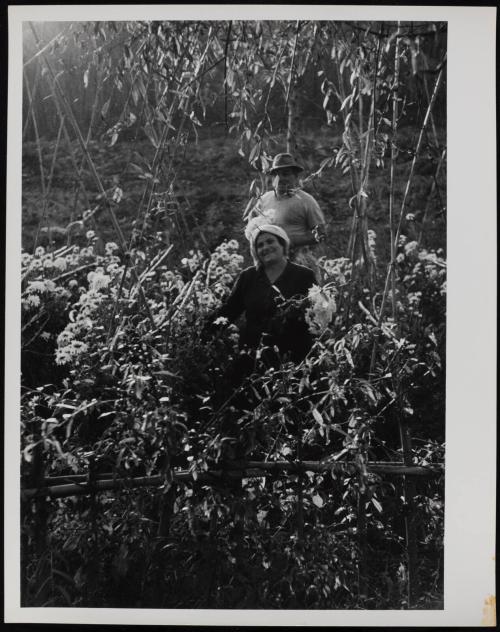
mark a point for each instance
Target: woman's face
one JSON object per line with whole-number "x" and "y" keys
{"x": 268, "y": 249}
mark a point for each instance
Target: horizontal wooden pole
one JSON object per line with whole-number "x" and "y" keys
{"x": 79, "y": 484}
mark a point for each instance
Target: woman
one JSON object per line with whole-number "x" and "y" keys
{"x": 263, "y": 293}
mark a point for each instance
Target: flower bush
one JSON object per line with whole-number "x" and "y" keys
{"x": 138, "y": 388}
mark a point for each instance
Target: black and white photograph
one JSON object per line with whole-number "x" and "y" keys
{"x": 236, "y": 389}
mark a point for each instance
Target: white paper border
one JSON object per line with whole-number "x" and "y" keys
{"x": 471, "y": 328}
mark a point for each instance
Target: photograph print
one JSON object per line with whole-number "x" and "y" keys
{"x": 233, "y": 314}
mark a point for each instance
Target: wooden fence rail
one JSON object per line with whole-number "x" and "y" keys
{"x": 76, "y": 485}
{"x": 45, "y": 487}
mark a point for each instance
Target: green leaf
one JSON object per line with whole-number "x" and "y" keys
{"x": 344, "y": 102}
{"x": 317, "y": 416}
{"x": 318, "y": 501}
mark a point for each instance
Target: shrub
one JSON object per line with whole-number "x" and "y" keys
{"x": 139, "y": 389}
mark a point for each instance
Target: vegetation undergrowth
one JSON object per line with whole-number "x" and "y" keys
{"x": 134, "y": 194}
{"x": 140, "y": 393}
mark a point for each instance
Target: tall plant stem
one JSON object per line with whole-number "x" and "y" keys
{"x": 49, "y": 181}
{"x": 31, "y": 98}
{"x": 78, "y": 169}
{"x": 87, "y": 141}
{"x": 226, "y": 51}
{"x": 38, "y": 144}
{"x": 59, "y": 93}
{"x": 355, "y": 179}
{"x": 393, "y": 161}
{"x": 181, "y": 102}
{"x": 410, "y": 527}
{"x": 409, "y": 182}
{"x": 365, "y": 173}
{"x": 391, "y": 200}
{"x": 291, "y": 100}
{"x": 361, "y": 538}
{"x": 417, "y": 149}
{"x": 430, "y": 196}
{"x": 292, "y": 63}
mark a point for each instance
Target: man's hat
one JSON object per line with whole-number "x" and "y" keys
{"x": 284, "y": 161}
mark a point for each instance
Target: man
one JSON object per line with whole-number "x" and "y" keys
{"x": 296, "y": 211}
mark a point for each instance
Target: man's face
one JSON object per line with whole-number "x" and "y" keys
{"x": 285, "y": 180}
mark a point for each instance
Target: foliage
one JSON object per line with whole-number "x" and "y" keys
{"x": 142, "y": 384}
{"x": 143, "y": 396}
{"x": 153, "y": 91}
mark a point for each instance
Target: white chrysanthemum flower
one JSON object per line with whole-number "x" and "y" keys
{"x": 221, "y": 320}
{"x": 65, "y": 337}
{"x": 90, "y": 234}
{"x": 323, "y": 307}
{"x": 112, "y": 268}
{"x": 36, "y": 286}
{"x": 98, "y": 280}
{"x": 32, "y": 300}
{"x": 60, "y": 264}
{"x": 40, "y": 251}
{"x": 410, "y": 247}
{"x": 110, "y": 247}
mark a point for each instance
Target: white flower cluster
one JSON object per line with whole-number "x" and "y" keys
{"x": 225, "y": 263}
{"x": 170, "y": 281}
{"x": 71, "y": 352}
{"x": 194, "y": 260}
{"x": 98, "y": 280}
{"x": 32, "y": 295}
{"x": 110, "y": 248}
{"x": 411, "y": 247}
{"x": 70, "y": 345}
{"x": 53, "y": 264}
{"x": 216, "y": 278}
{"x": 336, "y": 270}
{"x": 323, "y": 306}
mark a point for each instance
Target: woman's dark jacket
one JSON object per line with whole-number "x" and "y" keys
{"x": 268, "y": 310}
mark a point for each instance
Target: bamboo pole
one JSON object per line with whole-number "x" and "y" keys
{"x": 362, "y": 548}
{"x": 391, "y": 270}
{"x": 39, "y": 517}
{"x": 417, "y": 149}
{"x": 393, "y": 160}
{"x": 410, "y": 526}
{"x": 231, "y": 470}
{"x": 431, "y": 195}
{"x": 410, "y": 177}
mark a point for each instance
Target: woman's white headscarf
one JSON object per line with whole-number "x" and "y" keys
{"x": 267, "y": 228}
